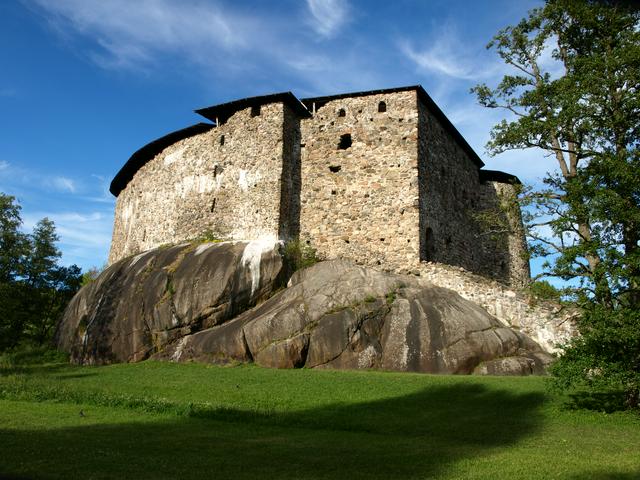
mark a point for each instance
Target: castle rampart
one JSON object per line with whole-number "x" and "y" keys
{"x": 380, "y": 177}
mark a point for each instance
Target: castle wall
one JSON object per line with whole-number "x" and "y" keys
{"x": 448, "y": 194}
{"x": 504, "y": 243}
{"x": 227, "y": 180}
{"x": 360, "y": 202}
{"x": 454, "y": 206}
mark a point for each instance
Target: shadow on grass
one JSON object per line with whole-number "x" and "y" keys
{"x": 418, "y": 435}
{"x": 607, "y": 476}
{"x": 608, "y": 402}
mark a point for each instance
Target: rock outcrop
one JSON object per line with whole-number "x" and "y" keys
{"x": 339, "y": 315}
{"x": 195, "y": 303}
{"x": 141, "y": 304}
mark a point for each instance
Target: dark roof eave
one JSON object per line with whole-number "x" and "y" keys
{"x": 498, "y": 176}
{"x": 150, "y": 150}
{"x": 223, "y": 111}
{"x": 426, "y": 100}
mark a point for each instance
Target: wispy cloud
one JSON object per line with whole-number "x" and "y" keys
{"x": 84, "y": 237}
{"x": 328, "y": 15}
{"x": 132, "y": 34}
{"x": 4, "y": 165}
{"x": 63, "y": 184}
{"x": 448, "y": 56}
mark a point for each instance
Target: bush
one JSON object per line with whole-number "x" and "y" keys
{"x": 29, "y": 354}
{"x": 298, "y": 255}
{"x": 605, "y": 357}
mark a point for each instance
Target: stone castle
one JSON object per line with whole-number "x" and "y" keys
{"x": 381, "y": 177}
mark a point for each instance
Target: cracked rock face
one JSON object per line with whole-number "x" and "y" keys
{"x": 339, "y": 315}
{"x": 143, "y": 304}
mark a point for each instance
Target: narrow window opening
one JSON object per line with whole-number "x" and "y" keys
{"x": 221, "y": 140}
{"x": 334, "y": 192}
{"x": 345, "y": 141}
{"x": 144, "y": 235}
{"x": 335, "y": 168}
{"x": 255, "y": 110}
{"x": 382, "y": 107}
{"x": 429, "y": 245}
{"x": 342, "y": 112}
{"x": 213, "y": 205}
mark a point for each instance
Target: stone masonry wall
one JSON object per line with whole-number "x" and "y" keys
{"x": 451, "y": 196}
{"x": 504, "y": 243}
{"x": 291, "y": 180}
{"x": 360, "y": 202}
{"x": 227, "y": 180}
{"x": 546, "y": 322}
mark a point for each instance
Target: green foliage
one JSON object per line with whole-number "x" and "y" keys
{"x": 606, "y": 357}
{"x": 208, "y": 236}
{"x": 90, "y": 275}
{"x": 298, "y": 255}
{"x": 585, "y": 113}
{"x": 34, "y": 290}
{"x": 29, "y": 355}
{"x": 391, "y": 297}
{"x": 543, "y": 290}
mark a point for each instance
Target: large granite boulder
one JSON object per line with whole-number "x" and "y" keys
{"x": 339, "y": 315}
{"x": 140, "y": 305}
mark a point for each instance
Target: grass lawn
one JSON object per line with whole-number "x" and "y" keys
{"x": 160, "y": 420}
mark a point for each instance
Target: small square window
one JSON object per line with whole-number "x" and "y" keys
{"x": 345, "y": 141}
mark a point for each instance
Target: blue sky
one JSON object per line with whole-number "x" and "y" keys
{"x": 85, "y": 83}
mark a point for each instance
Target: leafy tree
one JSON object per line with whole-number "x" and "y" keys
{"x": 581, "y": 105}
{"x": 13, "y": 243}
{"x": 34, "y": 289}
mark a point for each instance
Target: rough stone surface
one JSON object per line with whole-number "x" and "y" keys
{"x": 404, "y": 190}
{"x": 227, "y": 181}
{"x": 367, "y": 210}
{"x": 548, "y": 323}
{"x": 141, "y": 304}
{"x": 340, "y": 315}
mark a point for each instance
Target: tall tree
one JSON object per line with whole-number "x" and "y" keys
{"x": 34, "y": 289}
{"x": 575, "y": 94}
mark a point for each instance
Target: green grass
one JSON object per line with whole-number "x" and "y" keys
{"x": 159, "y": 420}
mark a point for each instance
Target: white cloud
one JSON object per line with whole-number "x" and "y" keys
{"x": 4, "y": 165}
{"x": 132, "y": 34}
{"x": 84, "y": 237}
{"x": 63, "y": 184}
{"x": 447, "y": 55}
{"x": 328, "y": 15}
